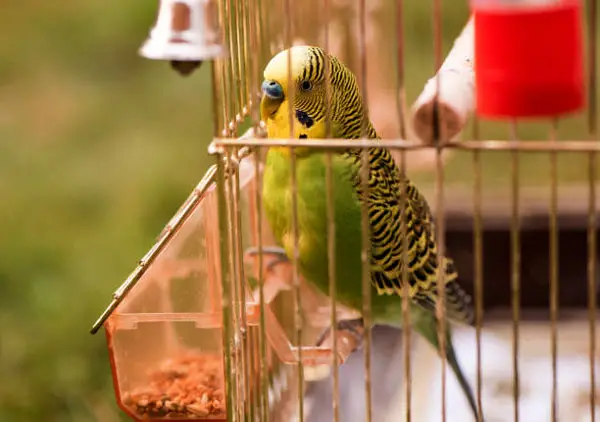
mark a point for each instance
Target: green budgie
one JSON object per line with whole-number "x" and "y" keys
{"x": 383, "y": 202}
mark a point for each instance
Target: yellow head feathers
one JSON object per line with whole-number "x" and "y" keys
{"x": 295, "y": 87}
{"x": 277, "y": 68}
{"x": 293, "y": 83}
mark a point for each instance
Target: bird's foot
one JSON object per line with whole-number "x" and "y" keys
{"x": 354, "y": 327}
{"x": 280, "y": 256}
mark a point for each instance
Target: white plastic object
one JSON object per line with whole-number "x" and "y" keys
{"x": 185, "y": 30}
{"x": 456, "y": 92}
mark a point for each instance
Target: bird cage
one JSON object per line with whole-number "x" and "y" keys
{"x": 239, "y": 336}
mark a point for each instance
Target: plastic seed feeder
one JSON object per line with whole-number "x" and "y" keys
{"x": 528, "y": 57}
{"x": 165, "y": 327}
{"x": 165, "y": 336}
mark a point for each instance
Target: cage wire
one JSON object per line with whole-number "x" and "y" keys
{"x": 269, "y": 327}
{"x": 283, "y": 33}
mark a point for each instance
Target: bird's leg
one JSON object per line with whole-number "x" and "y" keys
{"x": 279, "y": 253}
{"x": 352, "y": 326}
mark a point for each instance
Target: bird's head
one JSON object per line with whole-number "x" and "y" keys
{"x": 295, "y": 82}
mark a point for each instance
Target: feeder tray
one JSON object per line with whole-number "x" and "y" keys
{"x": 164, "y": 327}
{"x": 165, "y": 336}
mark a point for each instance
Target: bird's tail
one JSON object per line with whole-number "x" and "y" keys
{"x": 460, "y": 377}
{"x": 458, "y": 301}
{"x": 427, "y": 324}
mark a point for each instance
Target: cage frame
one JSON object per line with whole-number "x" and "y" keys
{"x": 226, "y": 148}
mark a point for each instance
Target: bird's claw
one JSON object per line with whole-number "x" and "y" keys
{"x": 352, "y": 326}
{"x": 279, "y": 253}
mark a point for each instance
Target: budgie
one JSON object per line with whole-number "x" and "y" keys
{"x": 383, "y": 199}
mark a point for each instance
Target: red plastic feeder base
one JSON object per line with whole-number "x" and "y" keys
{"x": 528, "y": 58}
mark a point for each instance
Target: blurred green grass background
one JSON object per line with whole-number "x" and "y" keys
{"x": 98, "y": 149}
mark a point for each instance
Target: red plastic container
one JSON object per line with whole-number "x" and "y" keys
{"x": 528, "y": 58}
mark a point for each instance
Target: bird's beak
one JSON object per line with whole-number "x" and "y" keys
{"x": 271, "y": 99}
{"x": 272, "y": 89}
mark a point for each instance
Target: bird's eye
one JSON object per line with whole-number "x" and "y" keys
{"x": 306, "y": 86}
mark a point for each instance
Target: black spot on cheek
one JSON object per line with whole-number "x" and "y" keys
{"x": 304, "y": 118}
{"x": 303, "y": 136}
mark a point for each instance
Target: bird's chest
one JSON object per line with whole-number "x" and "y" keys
{"x": 307, "y": 228}
{"x": 295, "y": 212}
